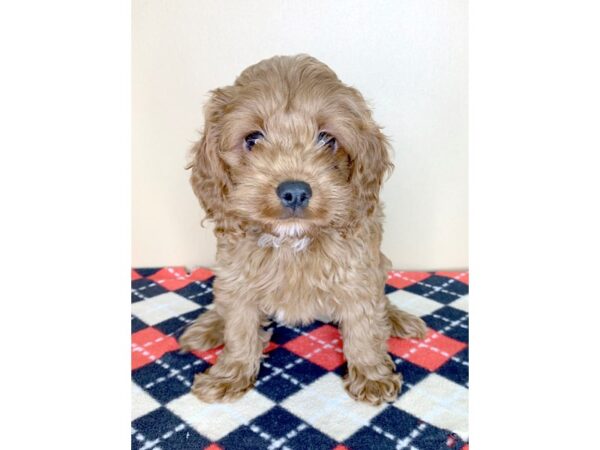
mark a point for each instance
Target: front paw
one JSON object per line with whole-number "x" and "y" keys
{"x": 211, "y": 389}
{"x": 372, "y": 386}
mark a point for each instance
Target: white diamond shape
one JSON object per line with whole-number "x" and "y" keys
{"x": 413, "y": 303}
{"x": 141, "y": 402}
{"x": 326, "y": 406}
{"x": 462, "y": 303}
{"x": 162, "y": 307}
{"x": 440, "y": 402}
{"x": 215, "y": 420}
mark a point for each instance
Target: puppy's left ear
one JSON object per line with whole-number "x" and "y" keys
{"x": 371, "y": 165}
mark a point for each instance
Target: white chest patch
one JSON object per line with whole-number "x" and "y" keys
{"x": 296, "y": 244}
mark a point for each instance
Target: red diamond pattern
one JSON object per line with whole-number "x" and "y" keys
{"x": 173, "y": 278}
{"x": 211, "y": 356}
{"x": 430, "y": 353}
{"x": 148, "y": 345}
{"x": 201, "y": 274}
{"x": 401, "y": 280}
{"x": 322, "y": 346}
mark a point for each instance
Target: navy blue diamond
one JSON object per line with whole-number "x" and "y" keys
{"x": 393, "y": 421}
{"x": 401, "y": 425}
{"x": 137, "y": 325}
{"x": 445, "y": 294}
{"x": 170, "y": 377}
{"x": 458, "y": 331}
{"x": 389, "y": 289}
{"x": 448, "y": 284}
{"x": 436, "y": 438}
{"x": 367, "y": 438}
{"x": 142, "y": 289}
{"x": 411, "y": 373}
{"x": 276, "y": 387}
{"x": 155, "y": 425}
{"x": 456, "y": 371}
{"x": 148, "y": 271}
{"x": 451, "y": 313}
{"x": 310, "y": 438}
{"x": 277, "y": 422}
{"x": 421, "y": 287}
{"x": 443, "y": 297}
{"x": 199, "y": 292}
{"x": 312, "y": 326}
{"x": 458, "y": 287}
{"x": 304, "y": 371}
{"x": 430, "y": 293}
{"x": 342, "y": 370}
{"x": 396, "y": 421}
{"x": 176, "y": 326}
{"x": 281, "y": 335}
{"x": 243, "y": 438}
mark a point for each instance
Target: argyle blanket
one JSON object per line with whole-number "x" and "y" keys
{"x": 298, "y": 401}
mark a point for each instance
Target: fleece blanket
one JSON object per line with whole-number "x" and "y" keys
{"x": 298, "y": 401}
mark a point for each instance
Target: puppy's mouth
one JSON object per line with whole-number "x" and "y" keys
{"x": 290, "y": 228}
{"x": 294, "y": 214}
{"x": 292, "y": 222}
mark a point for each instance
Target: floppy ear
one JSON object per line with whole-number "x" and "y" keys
{"x": 370, "y": 166}
{"x": 210, "y": 179}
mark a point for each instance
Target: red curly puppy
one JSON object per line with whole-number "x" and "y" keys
{"x": 289, "y": 168}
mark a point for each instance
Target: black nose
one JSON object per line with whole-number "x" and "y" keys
{"x": 294, "y": 194}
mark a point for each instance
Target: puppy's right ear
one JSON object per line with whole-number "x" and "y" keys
{"x": 210, "y": 178}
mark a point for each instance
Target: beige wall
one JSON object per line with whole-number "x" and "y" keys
{"x": 409, "y": 58}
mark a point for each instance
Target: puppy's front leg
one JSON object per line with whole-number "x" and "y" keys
{"x": 238, "y": 365}
{"x": 372, "y": 376}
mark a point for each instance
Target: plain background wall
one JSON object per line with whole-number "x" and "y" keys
{"x": 407, "y": 57}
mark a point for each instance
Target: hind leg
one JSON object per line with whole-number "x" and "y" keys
{"x": 405, "y": 325}
{"x": 204, "y": 333}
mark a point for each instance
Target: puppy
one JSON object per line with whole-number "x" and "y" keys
{"x": 289, "y": 168}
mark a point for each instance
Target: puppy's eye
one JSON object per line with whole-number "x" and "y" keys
{"x": 326, "y": 140}
{"x": 252, "y": 139}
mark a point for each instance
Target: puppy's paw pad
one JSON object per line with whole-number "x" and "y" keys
{"x": 213, "y": 389}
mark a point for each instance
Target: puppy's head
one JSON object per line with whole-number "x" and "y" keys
{"x": 291, "y": 148}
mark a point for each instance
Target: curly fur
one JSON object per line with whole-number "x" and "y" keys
{"x": 327, "y": 262}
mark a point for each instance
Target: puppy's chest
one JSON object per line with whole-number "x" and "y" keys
{"x": 303, "y": 284}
